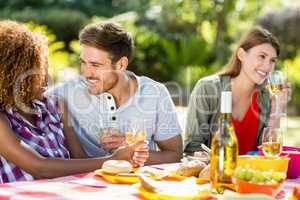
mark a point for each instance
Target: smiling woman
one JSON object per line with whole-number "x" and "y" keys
{"x": 35, "y": 139}
{"x": 245, "y": 75}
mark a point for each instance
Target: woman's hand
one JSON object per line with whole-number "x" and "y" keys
{"x": 283, "y": 98}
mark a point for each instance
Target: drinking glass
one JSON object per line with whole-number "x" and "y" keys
{"x": 271, "y": 141}
{"x": 136, "y": 132}
{"x": 274, "y": 86}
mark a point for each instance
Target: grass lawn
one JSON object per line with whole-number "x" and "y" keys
{"x": 291, "y": 127}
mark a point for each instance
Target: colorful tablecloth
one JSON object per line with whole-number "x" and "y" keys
{"x": 87, "y": 186}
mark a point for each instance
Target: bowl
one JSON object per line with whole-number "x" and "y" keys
{"x": 294, "y": 164}
{"x": 245, "y": 187}
{"x": 264, "y": 163}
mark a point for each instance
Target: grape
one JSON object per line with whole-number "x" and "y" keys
{"x": 240, "y": 174}
{"x": 259, "y": 177}
{"x": 256, "y": 176}
{"x": 278, "y": 176}
{"x": 267, "y": 175}
{"x": 248, "y": 174}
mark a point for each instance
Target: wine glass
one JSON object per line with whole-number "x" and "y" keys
{"x": 275, "y": 86}
{"x": 271, "y": 141}
{"x": 136, "y": 132}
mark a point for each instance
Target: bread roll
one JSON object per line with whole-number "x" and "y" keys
{"x": 116, "y": 166}
{"x": 191, "y": 168}
{"x": 205, "y": 173}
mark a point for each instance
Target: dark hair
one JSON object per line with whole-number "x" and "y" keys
{"x": 21, "y": 50}
{"x": 254, "y": 37}
{"x": 108, "y": 36}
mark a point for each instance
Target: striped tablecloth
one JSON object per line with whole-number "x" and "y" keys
{"x": 87, "y": 186}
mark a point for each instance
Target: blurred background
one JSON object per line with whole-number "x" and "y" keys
{"x": 177, "y": 41}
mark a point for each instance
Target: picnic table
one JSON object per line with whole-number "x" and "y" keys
{"x": 89, "y": 186}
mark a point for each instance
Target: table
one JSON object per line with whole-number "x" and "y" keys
{"x": 88, "y": 186}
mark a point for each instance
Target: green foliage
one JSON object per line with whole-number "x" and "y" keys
{"x": 176, "y": 40}
{"x": 293, "y": 71}
{"x": 58, "y": 57}
{"x": 285, "y": 24}
{"x": 64, "y": 23}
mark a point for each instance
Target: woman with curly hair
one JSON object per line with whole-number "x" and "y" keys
{"x": 36, "y": 141}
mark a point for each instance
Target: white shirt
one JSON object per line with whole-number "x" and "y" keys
{"x": 151, "y": 108}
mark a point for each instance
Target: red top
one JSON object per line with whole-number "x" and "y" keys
{"x": 246, "y": 130}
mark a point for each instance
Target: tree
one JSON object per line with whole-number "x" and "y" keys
{"x": 285, "y": 24}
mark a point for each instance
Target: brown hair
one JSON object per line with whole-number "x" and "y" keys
{"x": 108, "y": 36}
{"x": 254, "y": 37}
{"x": 21, "y": 50}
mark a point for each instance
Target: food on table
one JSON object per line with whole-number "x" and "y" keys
{"x": 204, "y": 173}
{"x": 191, "y": 168}
{"x": 200, "y": 155}
{"x": 153, "y": 172}
{"x": 296, "y": 193}
{"x": 116, "y": 167}
{"x": 261, "y": 177}
{"x": 264, "y": 163}
{"x": 186, "y": 189}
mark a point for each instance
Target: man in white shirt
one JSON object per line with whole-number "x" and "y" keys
{"x": 109, "y": 99}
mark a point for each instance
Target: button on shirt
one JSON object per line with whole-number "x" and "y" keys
{"x": 151, "y": 106}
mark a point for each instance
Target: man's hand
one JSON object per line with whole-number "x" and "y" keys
{"x": 112, "y": 139}
{"x": 140, "y": 155}
{"x": 137, "y": 153}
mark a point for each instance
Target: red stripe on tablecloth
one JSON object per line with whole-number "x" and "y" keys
{"x": 37, "y": 194}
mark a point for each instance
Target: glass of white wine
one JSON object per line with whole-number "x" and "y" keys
{"x": 136, "y": 132}
{"x": 271, "y": 141}
{"x": 275, "y": 86}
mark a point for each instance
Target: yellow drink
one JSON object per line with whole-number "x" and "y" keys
{"x": 271, "y": 148}
{"x": 141, "y": 136}
{"x": 274, "y": 89}
{"x": 224, "y": 150}
{"x": 132, "y": 137}
{"x": 129, "y": 137}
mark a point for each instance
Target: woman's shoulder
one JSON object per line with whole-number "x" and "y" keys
{"x": 207, "y": 83}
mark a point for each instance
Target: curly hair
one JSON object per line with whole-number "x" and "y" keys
{"x": 21, "y": 52}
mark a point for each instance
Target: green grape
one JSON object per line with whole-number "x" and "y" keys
{"x": 267, "y": 175}
{"x": 240, "y": 173}
{"x": 278, "y": 176}
{"x": 248, "y": 174}
{"x": 271, "y": 182}
{"x": 259, "y": 177}
{"x": 254, "y": 180}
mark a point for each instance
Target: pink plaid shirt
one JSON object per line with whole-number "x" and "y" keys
{"x": 46, "y": 138}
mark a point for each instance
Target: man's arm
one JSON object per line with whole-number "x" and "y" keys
{"x": 170, "y": 151}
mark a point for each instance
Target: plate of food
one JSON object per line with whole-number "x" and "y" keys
{"x": 194, "y": 166}
{"x": 122, "y": 172}
{"x": 187, "y": 189}
{"x": 249, "y": 180}
{"x": 118, "y": 171}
